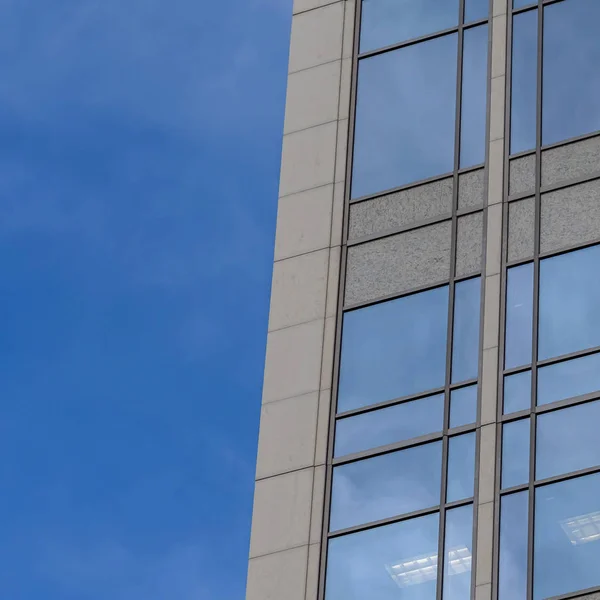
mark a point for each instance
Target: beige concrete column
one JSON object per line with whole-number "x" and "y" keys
{"x": 290, "y": 474}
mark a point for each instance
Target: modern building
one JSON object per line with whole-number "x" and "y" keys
{"x": 430, "y": 423}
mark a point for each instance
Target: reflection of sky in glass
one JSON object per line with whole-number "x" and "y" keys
{"x": 569, "y": 303}
{"x": 561, "y": 566}
{"x": 394, "y": 349}
{"x": 517, "y": 392}
{"x": 387, "y": 22}
{"x": 474, "y": 95}
{"x": 522, "y": 3}
{"x": 515, "y": 453}
{"x": 461, "y": 467}
{"x": 458, "y": 553}
{"x": 363, "y": 565}
{"x": 567, "y": 440}
{"x": 463, "y": 406}
{"x": 519, "y": 316}
{"x": 405, "y": 116}
{"x": 389, "y": 425}
{"x": 512, "y": 580}
{"x": 465, "y": 343}
{"x": 571, "y": 82}
{"x": 386, "y": 486}
{"x": 476, "y": 10}
{"x": 524, "y": 82}
{"x": 569, "y": 379}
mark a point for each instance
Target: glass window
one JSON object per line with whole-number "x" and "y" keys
{"x": 386, "y": 486}
{"x": 474, "y": 96}
{"x": 394, "y": 349}
{"x": 522, "y": 3}
{"x": 458, "y": 553}
{"x": 465, "y": 349}
{"x": 461, "y": 467}
{"x": 567, "y": 537}
{"x": 569, "y": 379}
{"x": 405, "y": 116}
{"x": 514, "y": 517}
{"x": 463, "y": 406}
{"x": 519, "y": 316}
{"x": 569, "y": 300}
{"x": 567, "y": 440}
{"x": 476, "y": 9}
{"x": 524, "y": 82}
{"x": 517, "y": 392}
{"x": 395, "y": 562}
{"x": 515, "y": 453}
{"x": 389, "y": 425}
{"x": 571, "y": 76}
{"x": 387, "y": 22}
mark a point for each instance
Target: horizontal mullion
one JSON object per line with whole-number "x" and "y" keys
{"x": 567, "y": 476}
{"x": 565, "y": 357}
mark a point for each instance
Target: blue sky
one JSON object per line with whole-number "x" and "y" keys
{"x": 139, "y": 162}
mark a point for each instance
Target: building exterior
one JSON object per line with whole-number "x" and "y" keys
{"x": 430, "y": 417}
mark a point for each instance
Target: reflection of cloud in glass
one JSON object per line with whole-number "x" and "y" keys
{"x": 393, "y": 349}
{"x": 387, "y": 22}
{"x": 457, "y": 552}
{"x": 405, "y": 116}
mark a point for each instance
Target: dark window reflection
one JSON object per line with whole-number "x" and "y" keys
{"x": 567, "y": 440}
{"x": 476, "y": 10}
{"x": 387, "y": 22}
{"x": 461, "y": 467}
{"x": 515, "y": 453}
{"x": 474, "y": 96}
{"x": 567, "y": 537}
{"x": 512, "y": 579}
{"x": 394, "y": 349}
{"x": 465, "y": 350}
{"x": 569, "y": 379}
{"x": 463, "y": 406}
{"x": 524, "y": 82}
{"x": 386, "y": 486}
{"x": 405, "y": 116}
{"x": 458, "y": 553}
{"x": 389, "y": 425}
{"x": 569, "y": 301}
{"x": 519, "y": 316}
{"x": 396, "y": 562}
{"x": 571, "y": 76}
{"x": 517, "y": 392}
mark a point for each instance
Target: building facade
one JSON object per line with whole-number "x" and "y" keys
{"x": 431, "y": 396}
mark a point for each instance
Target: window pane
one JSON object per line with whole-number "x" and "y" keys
{"x": 524, "y": 82}
{"x": 569, "y": 379}
{"x": 387, "y": 22}
{"x": 476, "y": 9}
{"x": 458, "y": 553}
{"x": 512, "y": 584}
{"x": 517, "y": 392}
{"x": 569, "y": 300}
{"x": 463, "y": 406}
{"x": 461, "y": 467}
{"x": 405, "y": 116}
{"x": 394, "y": 349}
{"x": 386, "y": 486}
{"x": 389, "y": 425}
{"x": 515, "y": 453}
{"x": 567, "y": 440}
{"x": 571, "y": 76}
{"x": 382, "y": 563}
{"x": 521, "y": 3}
{"x": 567, "y": 537}
{"x": 465, "y": 350}
{"x": 474, "y": 96}
{"x": 519, "y": 316}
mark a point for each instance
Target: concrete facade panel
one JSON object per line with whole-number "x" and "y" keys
{"x": 521, "y": 229}
{"x": 469, "y": 244}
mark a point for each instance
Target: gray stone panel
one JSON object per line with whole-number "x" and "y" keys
{"x": 471, "y": 188}
{"x": 570, "y": 216}
{"x": 571, "y": 161}
{"x": 400, "y": 209}
{"x": 521, "y": 226}
{"x": 469, "y": 245}
{"x": 593, "y": 596}
{"x": 398, "y": 263}
{"x": 522, "y": 175}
